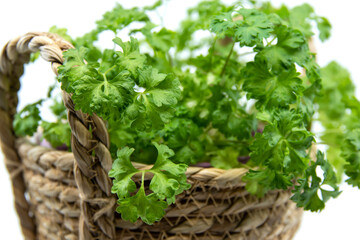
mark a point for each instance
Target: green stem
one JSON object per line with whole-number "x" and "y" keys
{"x": 170, "y": 59}
{"x": 115, "y": 36}
{"x": 227, "y": 60}
{"x": 109, "y": 70}
{"x": 269, "y": 43}
{"x": 142, "y": 179}
{"x": 212, "y": 50}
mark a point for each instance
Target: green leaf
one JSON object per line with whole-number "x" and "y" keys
{"x": 299, "y": 18}
{"x": 226, "y": 158}
{"x": 281, "y": 149}
{"x": 130, "y": 58}
{"x": 183, "y": 136}
{"x": 58, "y": 109}
{"x": 337, "y": 87}
{"x": 147, "y": 207}
{"x": 122, "y": 171}
{"x": 350, "y": 151}
{"x": 272, "y": 90}
{"x": 168, "y": 181}
{"x": 306, "y": 193}
{"x": 162, "y": 40}
{"x": 324, "y": 27}
{"x": 27, "y": 120}
{"x": 74, "y": 68}
{"x": 254, "y": 27}
{"x": 152, "y": 107}
{"x": 259, "y": 182}
{"x": 106, "y": 97}
{"x": 223, "y": 24}
{"x": 34, "y": 56}
{"x": 169, "y": 178}
{"x": 154, "y": 6}
{"x": 105, "y": 93}
{"x": 199, "y": 17}
{"x": 62, "y": 32}
{"x": 291, "y": 47}
{"x": 121, "y": 134}
{"x": 248, "y": 26}
{"x": 233, "y": 120}
{"x": 118, "y": 18}
{"x": 57, "y": 133}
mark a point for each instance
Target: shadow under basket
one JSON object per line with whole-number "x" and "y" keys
{"x": 63, "y": 195}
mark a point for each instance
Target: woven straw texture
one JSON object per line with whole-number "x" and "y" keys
{"x": 62, "y": 195}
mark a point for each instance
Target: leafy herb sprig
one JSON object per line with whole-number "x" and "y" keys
{"x": 248, "y": 101}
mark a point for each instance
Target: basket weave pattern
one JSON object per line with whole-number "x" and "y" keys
{"x": 70, "y": 193}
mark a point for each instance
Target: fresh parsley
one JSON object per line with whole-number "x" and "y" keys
{"x": 248, "y": 100}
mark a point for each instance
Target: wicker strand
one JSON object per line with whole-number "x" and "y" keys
{"x": 96, "y": 219}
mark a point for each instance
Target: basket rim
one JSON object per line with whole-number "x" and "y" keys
{"x": 213, "y": 176}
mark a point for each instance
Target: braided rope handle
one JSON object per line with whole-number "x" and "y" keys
{"x": 90, "y": 141}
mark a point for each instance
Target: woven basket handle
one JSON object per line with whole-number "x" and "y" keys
{"x": 90, "y": 148}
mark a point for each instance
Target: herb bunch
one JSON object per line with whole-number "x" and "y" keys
{"x": 248, "y": 100}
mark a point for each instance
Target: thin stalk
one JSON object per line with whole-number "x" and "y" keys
{"x": 109, "y": 70}
{"x": 115, "y": 36}
{"x": 269, "y": 43}
{"x": 212, "y": 50}
{"x": 142, "y": 179}
{"x": 170, "y": 59}
{"x": 227, "y": 59}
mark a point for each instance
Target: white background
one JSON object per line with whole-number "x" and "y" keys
{"x": 340, "y": 218}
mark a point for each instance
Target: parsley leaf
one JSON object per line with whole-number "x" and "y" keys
{"x": 299, "y": 18}
{"x": 74, "y": 68}
{"x": 162, "y": 40}
{"x": 233, "y": 120}
{"x": 57, "y": 133}
{"x": 92, "y": 90}
{"x": 350, "y": 150}
{"x": 27, "y": 120}
{"x": 324, "y": 27}
{"x": 169, "y": 178}
{"x": 226, "y": 158}
{"x": 102, "y": 95}
{"x": 118, "y": 18}
{"x": 152, "y": 107}
{"x": 306, "y": 193}
{"x": 253, "y": 28}
{"x": 271, "y": 89}
{"x": 223, "y": 24}
{"x": 259, "y": 182}
{"x": 338, "y": 111}
{"x": 183, "y": 136}
{"x": 291, "y": 47}
{"x": 62, "y": 32}
{"x": 249, "y": 26}
{"x": 130, "y": 58}
{"x": 281, "y": 148}
{"x": 147, "y": 207}
{"x": 168, "y": 181}
{"x": 122, "y": 171}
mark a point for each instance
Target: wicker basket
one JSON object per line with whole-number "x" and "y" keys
{"x": 62, "y": 195}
